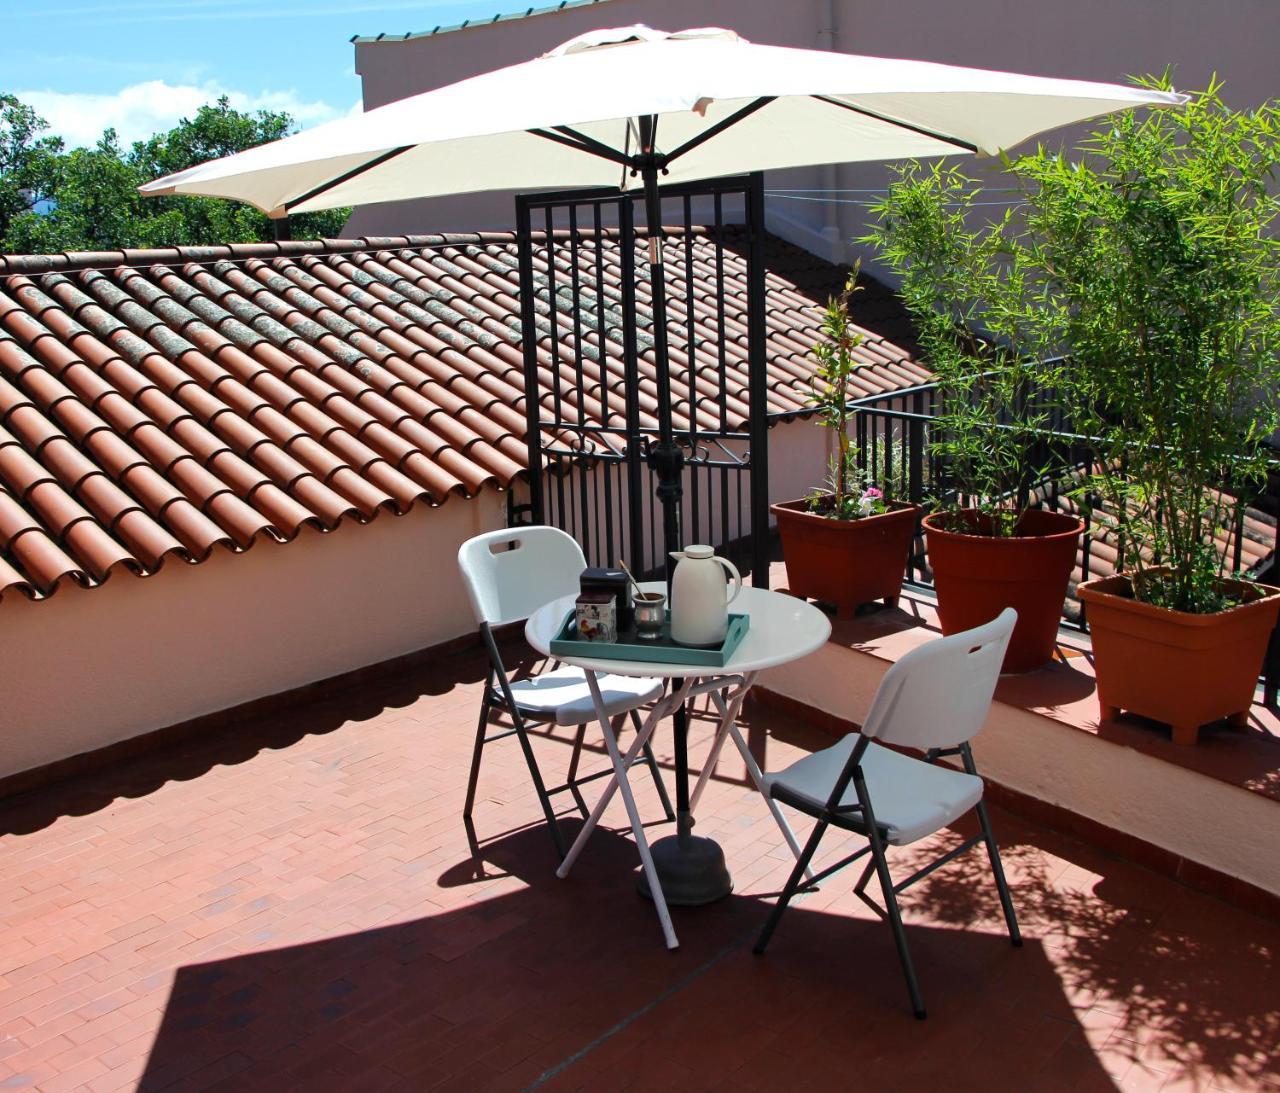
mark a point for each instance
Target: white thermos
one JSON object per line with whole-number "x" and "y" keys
{"x": 699, "y": 596}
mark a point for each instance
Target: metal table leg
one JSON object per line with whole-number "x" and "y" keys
{"x": 729, "y": 728}
{"x": 620, "y": 782}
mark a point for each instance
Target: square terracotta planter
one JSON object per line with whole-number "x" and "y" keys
{"x": 845, "y": 563}
{"x": 1185, "y": 670}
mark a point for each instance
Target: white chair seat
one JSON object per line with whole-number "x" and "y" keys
{"x": 564, "y": 694}
{"x": 911, "y": 798}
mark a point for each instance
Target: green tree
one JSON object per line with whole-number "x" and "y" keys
{"x": 217, "y": 130}
{"x": 93, "y": 191}
{"x": 27, "y": 160}
{"x": 96, "y": 205}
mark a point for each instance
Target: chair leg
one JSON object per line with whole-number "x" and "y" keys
{"x": 652, "y": 763}
{"x": 993, "y": 853}
{"x": 474, "y": 777}
{"x": 572, "y": 779}
{"x": 867, "y": 870}
{"x": 891, "y": 905}
{"x": 792, "y": 886}
{"x": 1002, "y": 885}
{"x": 538, "y": 784}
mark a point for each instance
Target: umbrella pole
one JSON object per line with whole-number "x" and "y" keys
{"x": 692, "y": 868}
{"x": 666, "y": 459}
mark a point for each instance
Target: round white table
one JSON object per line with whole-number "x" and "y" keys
{"x": 782, "y": 629}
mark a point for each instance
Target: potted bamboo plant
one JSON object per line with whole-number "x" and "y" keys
{"x": 966, "y": 284}
{"x": 845, "y": 544}
{"x": 1160, "y": 253}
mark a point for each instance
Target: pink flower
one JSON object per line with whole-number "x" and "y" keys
{"x": 871, "y": 491}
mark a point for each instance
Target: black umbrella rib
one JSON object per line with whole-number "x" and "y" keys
{"x": 580, "y": 142}
{"x": 355, "y": 172}
{"x": 955, "y": 142}
{"x": 719, "y": 127}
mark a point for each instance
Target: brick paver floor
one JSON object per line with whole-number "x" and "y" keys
{"x": 294, "y": 905}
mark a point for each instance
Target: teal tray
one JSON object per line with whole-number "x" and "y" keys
{"x": 660, "y": 650}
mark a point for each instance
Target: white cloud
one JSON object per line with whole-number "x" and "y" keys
{"x": 141, "y": 109}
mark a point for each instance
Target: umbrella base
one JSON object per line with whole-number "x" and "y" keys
{"x": 691, "y": 869}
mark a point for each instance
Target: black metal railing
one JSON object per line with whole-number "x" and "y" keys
{"x": 892, "y": 434}
{"x": 588, "y": 318}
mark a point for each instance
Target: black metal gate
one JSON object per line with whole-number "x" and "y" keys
{"x": 587, "y": 316}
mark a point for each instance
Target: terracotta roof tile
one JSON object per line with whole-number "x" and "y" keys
{"x": 156, "y": 404}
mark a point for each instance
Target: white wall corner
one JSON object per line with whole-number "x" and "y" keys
{"x": 822, "y": 240}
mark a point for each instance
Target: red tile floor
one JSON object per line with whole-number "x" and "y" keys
{"x": 294, "y": 905}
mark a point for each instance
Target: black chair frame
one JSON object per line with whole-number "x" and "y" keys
{"x": 498, "y": 696}
{"x": 860, "y": 819}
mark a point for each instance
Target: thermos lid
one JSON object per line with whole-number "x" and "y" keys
{"x": 699, "y": 551}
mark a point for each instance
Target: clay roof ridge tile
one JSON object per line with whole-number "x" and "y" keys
{"x": 195, "y": 254}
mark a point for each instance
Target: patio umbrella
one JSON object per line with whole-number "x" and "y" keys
{"x": 613, "y": 105}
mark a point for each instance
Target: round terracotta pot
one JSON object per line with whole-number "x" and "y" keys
{"x": 977, "y": 576}
{"x": 1185, "y": 670}
{"x": 845, "y": 563}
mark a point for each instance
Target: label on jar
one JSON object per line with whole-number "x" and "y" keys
{"x": 596, "y": 614}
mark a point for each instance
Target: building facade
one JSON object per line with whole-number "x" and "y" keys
{"x": 822, "y": 209}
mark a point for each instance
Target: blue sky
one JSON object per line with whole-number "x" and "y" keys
{"x": 142, "y": 64}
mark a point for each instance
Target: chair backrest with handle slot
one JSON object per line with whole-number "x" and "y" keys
{"x": 510, "y": 573}
{"x": 938, "y": 696}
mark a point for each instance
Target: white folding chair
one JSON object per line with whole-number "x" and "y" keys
{"x": 508, "y": 575}
{"x": 936, "y": 699}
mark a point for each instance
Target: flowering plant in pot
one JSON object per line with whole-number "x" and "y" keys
{"x": 1161, "y": 253}
{"x": 845, "y": 544}
{"x": 970, "y": 287}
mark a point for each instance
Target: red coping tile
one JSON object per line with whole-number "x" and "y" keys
{"x": 292, "y": 902}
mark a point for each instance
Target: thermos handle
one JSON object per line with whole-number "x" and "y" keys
{"x": 737, "y": 577}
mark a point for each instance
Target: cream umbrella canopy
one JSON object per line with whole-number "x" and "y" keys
{"x": 614, "y": 105}
{"x": 577, "y": 117}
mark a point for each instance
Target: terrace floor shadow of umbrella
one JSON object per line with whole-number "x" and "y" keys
{"x": 559, "y": 979}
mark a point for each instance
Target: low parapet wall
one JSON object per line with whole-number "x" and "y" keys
{"x": 89, "y": 669}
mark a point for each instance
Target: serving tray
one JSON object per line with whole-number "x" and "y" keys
{"x": 660, "y": 650}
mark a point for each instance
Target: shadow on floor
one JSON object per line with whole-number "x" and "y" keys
{"x": 184, "y": 759}
{"x": 1173, "y": 970}
{"x": 525, "y": 979}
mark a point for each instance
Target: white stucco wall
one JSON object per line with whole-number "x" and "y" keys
{"x": 798, "y": 455}
{"x": 88, "y": 668}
